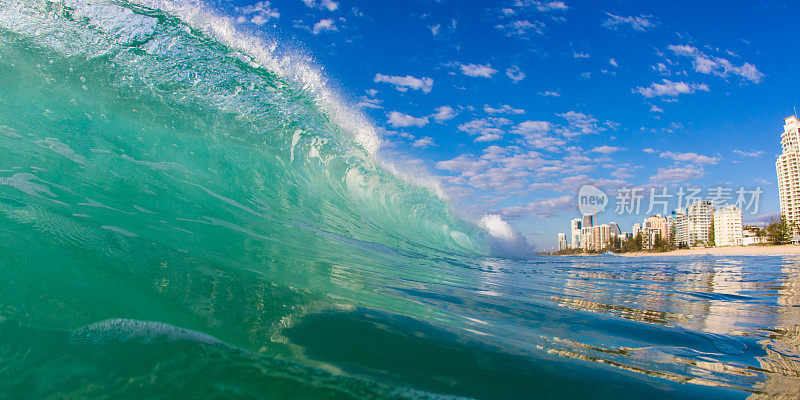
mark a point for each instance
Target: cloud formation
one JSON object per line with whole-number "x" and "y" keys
{"x": 485, "y": 129}
{"x": 259, "y": 13}
{"x": 324, "y": 25}
{"x": 717, "y": 66}
{"x": 478, "y": 70}
{"x": 444, "y": 113}
{"x": 329, "y": 5}
{"x": 515, "y": 74}
{"x": 669, "y": 88}
{"x": 404, "y": 83}
{"x": 693, "y": 158}
{"x": 503, "y": 109}
{"x": 400, "y": 120}
{"x": 638, "y": 23}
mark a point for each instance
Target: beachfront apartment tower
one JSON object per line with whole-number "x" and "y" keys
{"x": 788, "y": 168}
{"x": 678, "y": 226}
{"x": 700, "y": 215}
{"x": 562, "y": 241}
{"x": 575, "y": 230}
{"x": 654, "y": 226}
{"x": 587, "y": 238}
{"x": 637, "y": 228}
{"x": 728, "y": 226}
{"x": 588, "y": 221}
{"x": 602, "y": 236}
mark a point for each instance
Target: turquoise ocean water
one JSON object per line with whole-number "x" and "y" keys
{"x": 187, "y": 213}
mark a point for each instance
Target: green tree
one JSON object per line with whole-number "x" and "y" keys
{"x": 673, "y": 233}
{"x": 779, "y": 231}
{"x": 712, "y": 240}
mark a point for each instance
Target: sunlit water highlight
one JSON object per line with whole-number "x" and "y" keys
{"x": 183, "y": 216}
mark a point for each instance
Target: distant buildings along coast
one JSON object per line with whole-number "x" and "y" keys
{"x": 701, "y": 223}
{"x": 788, "y": 168}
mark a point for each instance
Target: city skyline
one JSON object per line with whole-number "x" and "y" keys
{"x": 512, "y": 107}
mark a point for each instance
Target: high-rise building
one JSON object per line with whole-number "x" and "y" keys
{"x": 588, "y": 221}
{"x": 654, "y": 226}
{"x": 575, "y": 230}
{"x": 587, "y": 238}
{"x": 615, "y": 229}
{"x": 728, "y": 226}
{"x": 637, "y": 228}
{"x": 788, "y": 167}
{"x": 678, "y": 226}
{"x": 562, "y": 241}
{"x": 700, "y": 215}
{"x": 601, "y": 234}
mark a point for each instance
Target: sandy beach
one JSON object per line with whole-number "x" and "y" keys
{"x": 788, "y": 249}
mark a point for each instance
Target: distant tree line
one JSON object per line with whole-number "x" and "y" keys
{"x": 778, "y": 231}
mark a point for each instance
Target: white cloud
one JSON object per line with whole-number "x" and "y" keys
{"x": 580, "y": 124}
{"x": 751, "y": 154}
{"x": 677, "y": 174}
{"x": 521, "y": 27}
{"x": 656, "y": 109}
{"x": 403, "y": 83}
{"x": 503, "y": 109}
{"x": 548, "y": 93}
{"x": 613, "y": 62}
{"x": 323, "y": 26}
{"x": 717, "y": 65}
{"x": 640, "y": 23}
{"x": 259, "y": 13}
{"x": 537, "y": 135}
{"x": 649, "y": 150}
{"x": 689, "y": 157}
{"x": 424, "y": 142}
{"x": 515, "y": 74}
{"x": 435, "y": 29}
{"x": 464, "y": 164}
{"x": 670, "y": 89}
{"x": 532, "y": 127}
{"x": 400, "y": 120}
{"x": 478, "y": 70}
{"x": 552, "y": 6}
{"x": 606, "y": 149}
{"x": 329, "y": 5}
{"x": 369, "y": 102}
{"x": 444, "y": 113}
{"x": 576, "y": 54}
{"x": 542, "y": 208}
{"x": 486, "y": 129}
{"x": 543, "y": 6}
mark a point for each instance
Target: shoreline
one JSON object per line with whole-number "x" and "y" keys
{"x": 768, "y": 250}
{"x": 763, "y": 250}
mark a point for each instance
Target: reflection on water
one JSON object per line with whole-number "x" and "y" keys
{"x": 482, "y": 328}
{"x": 719, "y": 322}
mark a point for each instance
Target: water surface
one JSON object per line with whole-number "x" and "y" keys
{"x": 186, "y": 214}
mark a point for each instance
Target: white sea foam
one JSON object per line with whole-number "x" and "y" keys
{"x": 504, "y": 240}
{"x": 266, "y": 54}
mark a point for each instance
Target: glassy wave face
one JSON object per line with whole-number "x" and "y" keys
{"x": 186, "y": 214}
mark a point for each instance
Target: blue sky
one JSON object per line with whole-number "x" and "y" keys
{"x": 514, "y": 105}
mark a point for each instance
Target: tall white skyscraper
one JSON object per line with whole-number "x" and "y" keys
{"x": 728, "y": 226}
{"x": 562, "y": 241}
{"x": 700, "y": 215}
{"x": 679, "y": 220}
{"x": 575, "y": 231}
{"x": 788, "y": 167}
